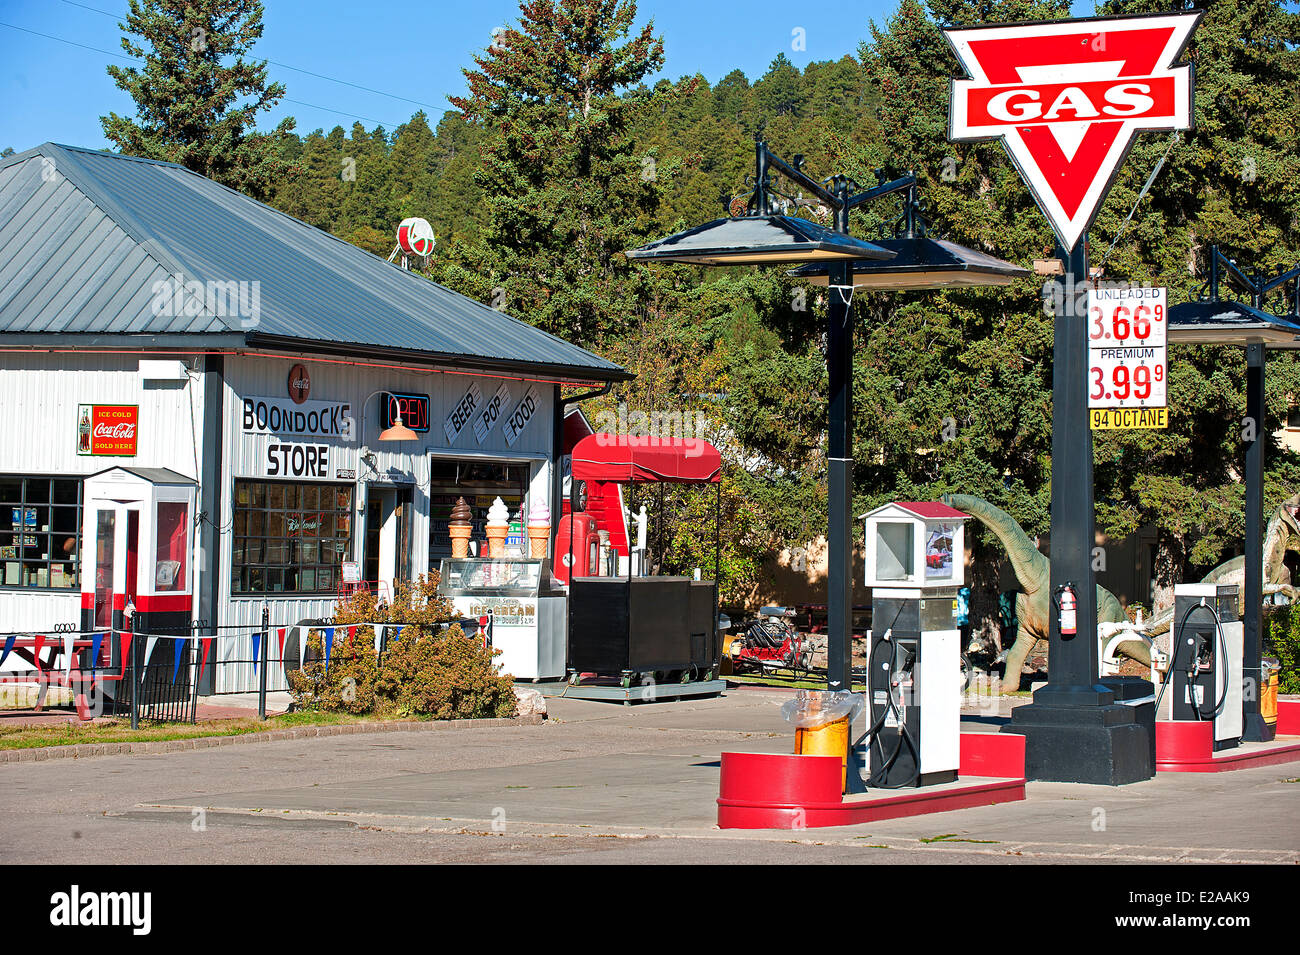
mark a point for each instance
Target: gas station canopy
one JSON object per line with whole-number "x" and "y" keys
{"x": 629, "y": 459}
{"x": 757, "y": 240}
{"x": 1229, "y": 323}
{"x": 920, "y": 262}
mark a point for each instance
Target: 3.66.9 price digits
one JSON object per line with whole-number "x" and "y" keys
{"x": 1138, "y": 323}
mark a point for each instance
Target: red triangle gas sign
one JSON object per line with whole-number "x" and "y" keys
{"x": 1067, "y": 97}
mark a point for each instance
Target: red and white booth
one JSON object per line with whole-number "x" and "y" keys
{"x": 138, "y": 529}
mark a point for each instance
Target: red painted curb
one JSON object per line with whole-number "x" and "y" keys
{"x": 785, "y": 791}
{"x": 1288, "y": 718}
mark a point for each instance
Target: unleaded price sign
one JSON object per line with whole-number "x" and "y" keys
{"x": 1128, "y": 364}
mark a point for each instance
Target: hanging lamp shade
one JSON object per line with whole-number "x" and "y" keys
{"x": 757, "y": 240}
{"x": 397, "y": 432}
{"x": 922, "y": 263}
{"x": 1229, "y": 323}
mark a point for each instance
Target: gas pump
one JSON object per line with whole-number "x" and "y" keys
{"x": 1205, "y": 667}
{"x": 915, "y": 566}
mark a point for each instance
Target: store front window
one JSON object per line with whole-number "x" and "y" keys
{"x": 290, "y": 537}
{"x": 479, "y": 482}
{"x": 40, "y": 531}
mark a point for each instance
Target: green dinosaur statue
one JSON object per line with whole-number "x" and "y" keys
{"x": 1034, "y": 602}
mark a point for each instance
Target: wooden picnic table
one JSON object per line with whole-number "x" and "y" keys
{"x": 32, "y": 648}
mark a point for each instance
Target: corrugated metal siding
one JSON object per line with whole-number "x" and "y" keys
{"x": 35, "y": 611}
{"x": 38, "y": 436}
{"x": 244, "y": 456}
{"x": 313, "y": 286}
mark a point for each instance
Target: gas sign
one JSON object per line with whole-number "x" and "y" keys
{"x": 1067, "y": 98}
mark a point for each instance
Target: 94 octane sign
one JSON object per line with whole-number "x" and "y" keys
{"x": 1128, "y": 366}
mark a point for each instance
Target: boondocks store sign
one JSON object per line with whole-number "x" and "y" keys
{"x": 280, "y": 416}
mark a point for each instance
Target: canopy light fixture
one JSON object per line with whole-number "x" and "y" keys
{"x": 757, "y": 240}
{"x": 921, "y": 263}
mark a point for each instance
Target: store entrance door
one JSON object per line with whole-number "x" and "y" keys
{"x": 388, "y": 537}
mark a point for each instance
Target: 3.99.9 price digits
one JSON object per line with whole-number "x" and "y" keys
{"x": 1122, "y": 382}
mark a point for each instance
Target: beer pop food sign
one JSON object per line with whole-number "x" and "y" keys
{"x": 1068, "y": 97}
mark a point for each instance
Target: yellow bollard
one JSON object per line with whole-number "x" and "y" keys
{"x": 829, "y": 739}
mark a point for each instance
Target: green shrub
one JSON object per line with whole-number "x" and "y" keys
{"x": 1282, "y": 626}
{"x": 429, "y": 669}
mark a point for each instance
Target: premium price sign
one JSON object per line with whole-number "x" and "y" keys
{"x": 1128, "y": 365}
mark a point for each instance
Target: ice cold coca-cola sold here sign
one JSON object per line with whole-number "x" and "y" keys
{"x": 108, "y": 429}
{"x": 1067, "y": 98}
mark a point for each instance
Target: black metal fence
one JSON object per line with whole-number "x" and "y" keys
{"x": 155, "y": 676}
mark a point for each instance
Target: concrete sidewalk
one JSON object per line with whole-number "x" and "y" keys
{"x": 597, "y": 782}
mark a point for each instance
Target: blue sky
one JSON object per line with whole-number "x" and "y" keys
{"x": 56, "y": 91}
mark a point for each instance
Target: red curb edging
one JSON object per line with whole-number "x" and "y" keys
{"x": 88, "y": 750}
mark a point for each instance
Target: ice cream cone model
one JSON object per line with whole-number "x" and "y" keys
{"x": 539, "y": 531}
{"x": 460, "y": 526}
{"x": 498, "y": 526}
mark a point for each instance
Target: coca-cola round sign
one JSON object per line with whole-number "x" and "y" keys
{"x": 299, "y": 384}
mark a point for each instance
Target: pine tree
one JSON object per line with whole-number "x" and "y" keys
{"x": 563, "y": 180}
{"x": 197, "y": 96}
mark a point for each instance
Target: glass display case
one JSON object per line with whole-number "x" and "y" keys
{"x": 525, "y": 605}
{"x": 502, "y": 576}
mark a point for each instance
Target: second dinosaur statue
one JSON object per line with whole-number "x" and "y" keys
{"x": 1034, "y": 601}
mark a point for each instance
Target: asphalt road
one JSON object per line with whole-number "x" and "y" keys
{"x": 597, "y": 783}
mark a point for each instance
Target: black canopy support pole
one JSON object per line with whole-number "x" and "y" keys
{"x": 1254, "y": 728}
{"x": 1073, "y": 663}
{"x": 839, "y": 361}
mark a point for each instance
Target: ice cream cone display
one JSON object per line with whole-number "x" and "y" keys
{"x": 460, "y": 526}
{"x": 498, "y": 526}
{"x": 539, "y": 531}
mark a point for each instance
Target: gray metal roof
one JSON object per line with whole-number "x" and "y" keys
{"x": 86, "y": 236}
{"x": 152, "y": 475}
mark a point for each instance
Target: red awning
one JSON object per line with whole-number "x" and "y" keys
{"x": 637, "y": 460}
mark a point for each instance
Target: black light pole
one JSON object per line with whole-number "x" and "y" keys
{"x": 1072, "y": 664}
{"x": 763, "y": 236}
{"x": 1253, "y": 727}
{"x": 1074, "y": 730}
{"x": 1210, "y": 321}
{"x": 839, "y": 368}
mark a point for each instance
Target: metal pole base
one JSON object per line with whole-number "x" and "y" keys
{"x": 1255, "y": 730}
{"x": 1103, "y": 745}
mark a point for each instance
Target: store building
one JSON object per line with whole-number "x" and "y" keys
{"x": 224, "y": 372}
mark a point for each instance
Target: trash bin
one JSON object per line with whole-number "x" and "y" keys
{"x": 822, "y": 721}
{"x": 1270, "y": 669}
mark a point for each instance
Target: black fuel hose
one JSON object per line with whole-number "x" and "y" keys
{"x": 1220, "y": 645}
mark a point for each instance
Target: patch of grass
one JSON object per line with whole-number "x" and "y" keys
{"x": 783, "y": 682}
{"x": 953, "y": 837}
{"x": 119, "y": 730}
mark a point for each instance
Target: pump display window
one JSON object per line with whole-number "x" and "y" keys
{"x": 40, "y": 530}
{"x": 289, "y": 537}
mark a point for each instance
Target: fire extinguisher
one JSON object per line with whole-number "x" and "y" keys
{"x": 1068, "y": 605}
